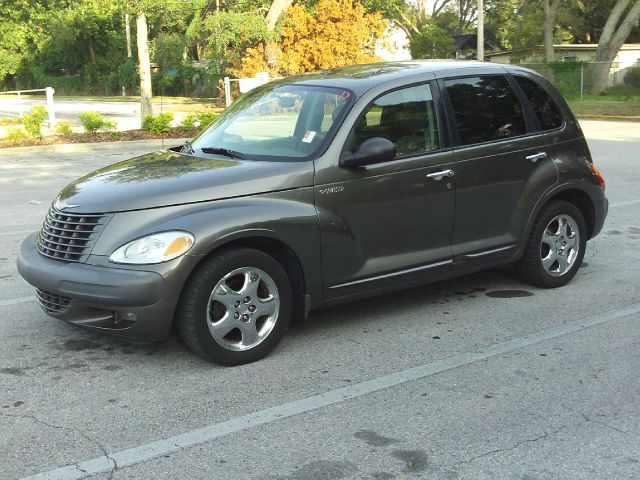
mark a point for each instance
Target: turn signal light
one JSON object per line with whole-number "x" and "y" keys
{"x": 599, "y": 176}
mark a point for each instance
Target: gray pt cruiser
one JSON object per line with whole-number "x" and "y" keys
{"x": 320, "y": 189}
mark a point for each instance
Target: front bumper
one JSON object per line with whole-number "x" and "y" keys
{"x": 132, "y": 303}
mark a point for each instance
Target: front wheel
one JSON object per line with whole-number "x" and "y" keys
{"x": 556, "y": 246}
{"x": 235, "y": 307}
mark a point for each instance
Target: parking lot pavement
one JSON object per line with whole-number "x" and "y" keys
{"x": 480, "y": 377}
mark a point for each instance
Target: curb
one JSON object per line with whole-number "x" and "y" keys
{"x": 92, "y": 147}
{"x": 616, "y": 118}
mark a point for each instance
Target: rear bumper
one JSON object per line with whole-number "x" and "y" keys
{"x": 601, "y": 208}
{"x": 131, "y": 303}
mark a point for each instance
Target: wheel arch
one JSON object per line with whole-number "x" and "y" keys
{"x": 280, "y": 251}
{"x": 574, "y": 195}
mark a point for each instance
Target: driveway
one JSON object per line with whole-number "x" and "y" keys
{"x": 480, "y": 377}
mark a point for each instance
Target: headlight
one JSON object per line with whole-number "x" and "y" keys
{"x": 156, "y": 248}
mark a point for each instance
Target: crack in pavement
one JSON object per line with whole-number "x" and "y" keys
{"x": 513, "y": 447}
{"x": 74, "y": 430}
{"x": 593, "y": 420}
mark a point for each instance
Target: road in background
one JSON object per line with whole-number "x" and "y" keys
{"x": 126, "y": 114}
{"x": 480, "y": 377}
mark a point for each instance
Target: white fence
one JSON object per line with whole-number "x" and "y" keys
{"x": 18, "y": 110}
{"x": 245, "y": 84}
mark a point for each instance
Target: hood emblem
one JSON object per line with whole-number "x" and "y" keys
{"x": 60, "y": 205}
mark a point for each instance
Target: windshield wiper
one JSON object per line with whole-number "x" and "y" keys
{"x": 224, "y": 151}
{"x": 187, "y": 148}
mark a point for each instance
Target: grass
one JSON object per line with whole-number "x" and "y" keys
{"x": 604, "y": 106}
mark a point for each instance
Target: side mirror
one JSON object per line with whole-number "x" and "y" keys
{"x": 373, "y": 150}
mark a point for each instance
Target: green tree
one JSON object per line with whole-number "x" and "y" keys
{"x": 432, "y": 41}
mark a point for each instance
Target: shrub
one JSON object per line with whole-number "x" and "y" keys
{"x": 33, "y": 121}
{"x": 198, "y": 121}
{"x": 63, "y": 127}
{"x": 157, "y": 124}
{"x": 632, "y": 77}
{"x": 93, "y": 121}
{"x": 16, "y": 134}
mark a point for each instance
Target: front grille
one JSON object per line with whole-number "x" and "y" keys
{"x": 68, "y": 236}
{"x": 52, "y": 303}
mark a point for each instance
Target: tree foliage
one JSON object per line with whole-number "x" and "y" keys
{"x": 432, "y": 41}
{"x": 336, "y": 32}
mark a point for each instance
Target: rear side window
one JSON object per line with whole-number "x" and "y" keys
{"x": 542, "y": 104}
{"x": 406, "y": 117}
{"x": 485, "y": 109}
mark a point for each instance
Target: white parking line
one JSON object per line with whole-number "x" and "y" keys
{"x": 622, "y": 204}
{"x": 15, "y": 301}
{"x": 148, "y": 451}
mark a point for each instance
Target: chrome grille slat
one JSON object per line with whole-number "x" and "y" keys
{"x": 46, "y": 225}
{"x": 69, "y": 236}
{"x": 51, "y": 234}
{"x": 43, "y": 245}
{"x": 52, "y": 303}
{"x": 70, "y": 222}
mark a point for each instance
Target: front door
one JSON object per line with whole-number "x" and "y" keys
{"x": 389, "y": 223}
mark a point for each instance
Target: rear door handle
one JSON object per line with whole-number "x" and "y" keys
{"x": 440, "y": 175}
{"x": 537, "y": 156}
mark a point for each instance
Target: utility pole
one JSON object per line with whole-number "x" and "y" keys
{"x": 480, "y": 54}
{"x": 127, "y": 30}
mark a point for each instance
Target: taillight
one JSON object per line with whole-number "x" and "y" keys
{"x": 599, "y": 176}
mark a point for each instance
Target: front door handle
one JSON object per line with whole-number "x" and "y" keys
{"x": 537, "y": 156}
{"x": 440, "y": 175}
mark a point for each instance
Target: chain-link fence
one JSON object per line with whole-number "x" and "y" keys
{"x": 574, "y": 78}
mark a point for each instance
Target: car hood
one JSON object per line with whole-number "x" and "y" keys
{"x": 169, "y": 178}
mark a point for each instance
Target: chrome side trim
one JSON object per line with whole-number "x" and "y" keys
{"x": 487, "y": 252}
{"x": 394, "y": 274}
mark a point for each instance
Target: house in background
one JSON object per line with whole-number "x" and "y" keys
{"x": 628, "y": 56}
{"x": 467, "y": 46}
{"x": 394, "y": 46}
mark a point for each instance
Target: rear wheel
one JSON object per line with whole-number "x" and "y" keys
{"x": 235, "y": 307}
{"x": 556, "y": 246}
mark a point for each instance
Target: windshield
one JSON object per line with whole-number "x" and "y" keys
{"x": 277, "y": 122}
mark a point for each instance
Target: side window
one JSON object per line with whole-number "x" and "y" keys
{"x": 542, "y": 104}
{"x": 407, "y": 117}
{"x": 485, "y": 108}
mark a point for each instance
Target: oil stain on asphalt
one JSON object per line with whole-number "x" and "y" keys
{"x": 509, "y": 293}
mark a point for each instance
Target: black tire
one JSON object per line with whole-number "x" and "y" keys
{"x": 195, "y": 311}
{"x": 530, "y": 267}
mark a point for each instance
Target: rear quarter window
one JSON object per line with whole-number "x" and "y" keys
{"x": 541, "y": 103}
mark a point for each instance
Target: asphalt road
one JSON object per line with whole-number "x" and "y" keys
{"x": 125, "y": 114}
{"x": 476, "y": 378}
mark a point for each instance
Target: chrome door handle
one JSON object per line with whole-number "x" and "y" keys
{"x": 537, "y": 156}
{"x": 440, "y": 175}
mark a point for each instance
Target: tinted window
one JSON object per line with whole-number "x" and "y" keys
{"x": 406, "y": 117}
{"x": 486, "y": 108}
{"x": 542, "y": 104}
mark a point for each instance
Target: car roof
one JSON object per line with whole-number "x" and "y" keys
{"x": 360, "y": 78}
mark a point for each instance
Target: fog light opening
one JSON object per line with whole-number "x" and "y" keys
{"x": 119, "y": 317}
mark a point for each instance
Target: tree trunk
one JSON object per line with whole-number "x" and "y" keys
{"x": 615, "y": 32}
{"x": 550, "y": 13}
{"x": 276, "y": 9}
{"x": 144, "y": 66}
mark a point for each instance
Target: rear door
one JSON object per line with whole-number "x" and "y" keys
{"x": 502, "y": 162}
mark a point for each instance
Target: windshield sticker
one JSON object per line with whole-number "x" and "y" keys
{"x": 345, "y": 94}
{"x": 309, "y": 135}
